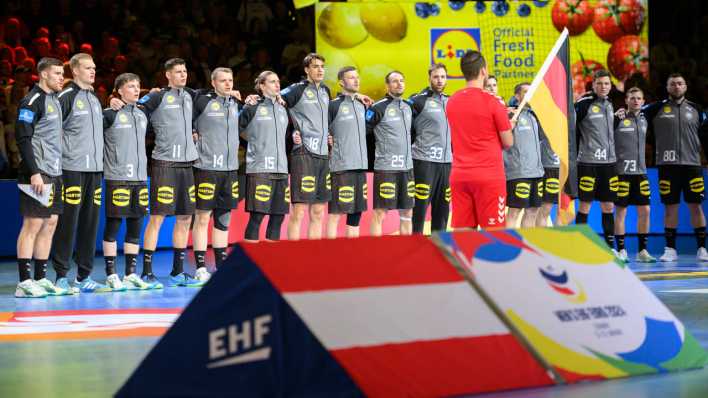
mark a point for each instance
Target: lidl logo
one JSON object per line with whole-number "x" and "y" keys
{"x": 123, "y": 118}
{"x": 215, "y": 106}
{"x": 448, "y": 45}
{"x": 559, "y": 281}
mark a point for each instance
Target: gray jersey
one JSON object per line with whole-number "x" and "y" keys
{"x": 678, "y": 131}
{"x": 124, "y": 150}
{"x": 549, "y": 159}
{"x": 431, "y": 130}
{"x": 82, "y": 138}
{"x": 595, "y": 131}
{"x": 309, "y": 107}
{"x": 38, "y": 133}
{"x": 523, "y": 159}
{"x": 348, "y": 129}
{"x": 217, "y": 125}
{"x": 630, "y": 144}
{"x": 264, "y": 126}
{"x": 170, "y": 113}
{"x": 390, "y": 120}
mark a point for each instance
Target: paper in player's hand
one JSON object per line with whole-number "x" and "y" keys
{"x": 42, "y": 198}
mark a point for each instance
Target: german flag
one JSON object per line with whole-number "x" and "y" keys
{"x": 551, "y": 97}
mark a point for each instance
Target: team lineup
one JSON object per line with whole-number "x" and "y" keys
{"x": 307, "y": 151}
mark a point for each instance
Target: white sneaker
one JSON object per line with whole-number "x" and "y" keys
{"x": 202, "y": 274}
{"x": 113, "y": 281}
{"x": 669, "y": 255}
{"x": 29, "y": 289}
{"x": 133, "y": 282}
{"x": 644, "y": 257}
{"x": 702, "y": 254}
{"x": 622, "y": 255}
{"x": 50, "y": 288}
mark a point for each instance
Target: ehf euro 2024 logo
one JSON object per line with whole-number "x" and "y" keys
{"x": 448, "y": 45}
{"x": 559, "y": 281}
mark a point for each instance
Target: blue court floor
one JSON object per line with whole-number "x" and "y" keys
{"x": 88, "y": 344}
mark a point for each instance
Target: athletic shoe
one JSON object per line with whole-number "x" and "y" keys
{"x": 89, "y": 285}
{"x": 133, "y": 282}
{"x": 669, "y": 255}
{"x": 63, "y": 283}
{"x": 622, "y": 255}
{"x": 202, "y": 274}
{"x": 702, "y": 254}
{"x": 29, "y": 289}
{"x": 618, "y": 255}
{"x": 183, "y": 280}
{"x": 152, "y": 280}
{"x": 51, "y": 289}
{"x": 113, "y": 281}
{"x": 644, "y": 257}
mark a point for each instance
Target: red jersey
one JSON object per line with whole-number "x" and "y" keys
{"x": 476, "y": 118}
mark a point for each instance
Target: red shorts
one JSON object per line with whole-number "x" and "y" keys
{"x": 478, "y": 203}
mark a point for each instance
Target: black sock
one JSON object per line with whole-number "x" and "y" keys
{"x": 40, "y": 269}
{"x": 608, "y": 229}
{"x": 110, "y": 265}
{"x": 581, "y": 218}
{"x": 620, "y": 242}
{"x": 177, "y": 261}
{"x": 670, "y": 235}
{"x": 643, "y": 240}
{"x": 200, "y": 258}
{"x": 700, "y": 233}
{"x": 147, "y": 261}
{"x": 219, "y": 256}
{"x": 131, "y": 263}
{"x": 24, "y": 266}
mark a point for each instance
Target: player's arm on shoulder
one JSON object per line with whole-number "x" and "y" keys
{"x": 292, "y": 94}
{"x": 109, "y": 116}
{"x": 244, "y": 119}
{"x": 374, "y": 115}
{"x": 151, "y": 101}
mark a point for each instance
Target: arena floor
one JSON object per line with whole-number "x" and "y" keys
{"x": 87, "y": 345}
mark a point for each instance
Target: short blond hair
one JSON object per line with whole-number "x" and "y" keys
{"x": 77, "y": 58}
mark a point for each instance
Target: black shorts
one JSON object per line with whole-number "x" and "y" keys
{"x": 216, "y": 189}
{"x": 523, "y": 193}
{"x": 349, "y": 192}
{"x": 633, "y": 190}
{"x": 267, "y": 193}
{"x": 29, "y": 207}
{"x": 394, "y": 190}
{"x": 597, "y": 182}
{"x": 172, "y": 189}
{"x": 126, "y": 199}
{"x": 551, "y": 185}
{"x": 309, "y": 178}
{"x": 676, "y": 179}
{"x": 431, "y": 179}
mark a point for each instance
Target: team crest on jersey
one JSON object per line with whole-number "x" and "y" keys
{"x": 689, "y": 115}
{"x": 595, "y": 109}
{"x": 263, "y": 111}
{"x": 626, "y": 122}
{"x": 667, "y": 109}
{"x": 215, "y": 106}
{"x": 523, "y": 122}
{"x": 391, "y": 112}
{"x": 50, "y": 109}
{"x": 433, "y": 104}
{"x": 80, "y": 104}
{"x": 170, "y": 99}
{"x": 345, "y": 109}
{"x": 309, "y": 94}
{"x": 123, "y": 118}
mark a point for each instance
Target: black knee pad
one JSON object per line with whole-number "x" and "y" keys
{"x": 274, "y": 223}
{"x": 132, "y": 231}
{"x": 254, "y": 224}
{"x": 222, "y": 219}
{"x": 354, "y": 219}
{"x": 110, "y": 230}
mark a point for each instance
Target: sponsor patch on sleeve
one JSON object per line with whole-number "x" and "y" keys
{"x": 26, "y": 115}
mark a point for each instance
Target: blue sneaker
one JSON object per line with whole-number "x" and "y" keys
{"x": 184, "y": 280}
{"x": 88, "y": 285}
{"x": 152, "y": 280}
{"x": 63, "y": 283}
